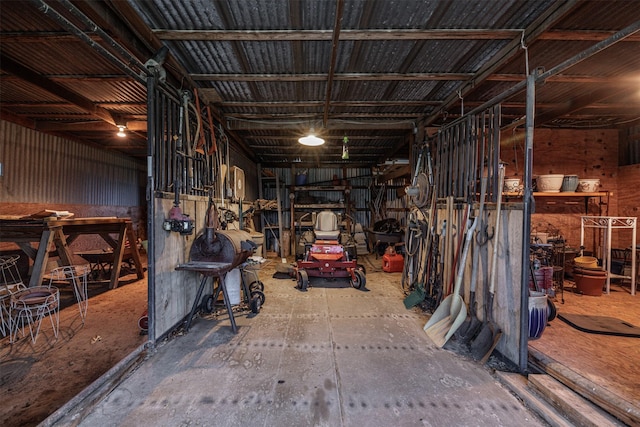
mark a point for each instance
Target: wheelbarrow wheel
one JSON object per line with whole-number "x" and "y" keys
{"x": 551, "y": 310}
{"x": 207, "y": 304}
{"x": 255, "y": 304}
{"x": 256, "y": 286}
{"x": 259, "y": 295}
{"x": 303, "y": 280}
{"x": 360, "y": 279}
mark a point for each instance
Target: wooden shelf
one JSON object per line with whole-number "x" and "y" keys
{"x": 568, "y": 194}
{"x": 321, "y": 188}
{"x": 320, "y": 206}
{"x": 560, "y": 194}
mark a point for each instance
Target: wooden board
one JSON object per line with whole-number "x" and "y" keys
{"x": 575, "y": 407}
{"x": 519, "y": 385}
{"x": 607, "y": 363}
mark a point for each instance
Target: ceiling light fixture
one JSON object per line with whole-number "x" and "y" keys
{"x": 311, "y": 140}
{"x": 121, "y": 133}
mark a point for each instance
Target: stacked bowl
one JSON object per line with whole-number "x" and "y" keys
{"x": 549, "y": 183}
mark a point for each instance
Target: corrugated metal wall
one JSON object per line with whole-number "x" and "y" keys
{"x": 41, "y": 168}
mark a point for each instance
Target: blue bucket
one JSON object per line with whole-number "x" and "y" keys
{"x": 301, "y": 178}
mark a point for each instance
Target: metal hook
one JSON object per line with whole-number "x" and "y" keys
{"x": 461, "y": 102}
{"x": 526, "y": 52}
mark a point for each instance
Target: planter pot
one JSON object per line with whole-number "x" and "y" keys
{"x": 512, "y": 185}
{"x": 549, "y": 183}
{"x": 586, "y": 262}
{"x": 589, "y": 284}
{"x": 538, "y": 314}
{"x": 569, "y": 183}
{"x": 588, "y": 185}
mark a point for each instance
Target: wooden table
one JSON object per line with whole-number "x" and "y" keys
{"x": 62, "y": 232}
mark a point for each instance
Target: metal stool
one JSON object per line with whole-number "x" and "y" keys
{"x": 30, "y": 306}
{"x": 76, "y": 275}
{"x": 10, "y": 283}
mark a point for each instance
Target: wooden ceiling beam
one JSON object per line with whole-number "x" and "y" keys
{"x": 337, "y": 145}
{"x": 339, "y": 125}
{"x": 566, "y": 78}
{"x": 330, "y": 151}
{"x": 372, "y": 34}
{"x": 295, "y": 136}
{"x": 332, "y": 116}
{"x": 327, "y": 35}
{"x": 302, "y": 104}
{"x": 317, "y": 77}
{"x": 335, "y": 39}
{"x": 582, "y": 35}
{"x": 41, "y": 37}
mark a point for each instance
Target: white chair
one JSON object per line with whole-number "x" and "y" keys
{"x": 76, "y": 276}
{"x": 29, "y": 307}
{"x": 326, "y": 227}
{"x": 10, "y": 283}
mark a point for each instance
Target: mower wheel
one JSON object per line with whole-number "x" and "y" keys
{"x": 303, "y": 280}
{"x": 256, "y": 286}
{"x": 360, "y": 280}
{"x": 207, "y": 304}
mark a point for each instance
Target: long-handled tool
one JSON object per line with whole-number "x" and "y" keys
{"x": 489, "y": 335}
{"x": 472, "y": 324}
{"x": 213, "y": 147}
{"x": 452, "y": 311}
{"x": 201, "y": 141}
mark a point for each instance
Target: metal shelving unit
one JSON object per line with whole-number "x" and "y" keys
{"x": 607, "y": 224}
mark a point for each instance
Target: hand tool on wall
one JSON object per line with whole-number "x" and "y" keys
{"x": 201, "y": 141}
{"x": 472, "y": 324}
{"x": 177, "y": 220}
{"x": 489, "y": 335}
{"x": 213, "y": 147}
{"x": 452, "y": 311}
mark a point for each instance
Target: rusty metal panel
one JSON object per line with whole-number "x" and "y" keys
{"x": 41, "y": 168}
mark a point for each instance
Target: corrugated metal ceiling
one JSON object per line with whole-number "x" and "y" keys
{"x": 265, "y": 66}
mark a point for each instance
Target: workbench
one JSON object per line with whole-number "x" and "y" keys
{"x": 217, "y": 270}
{"x": 61, "y": 233}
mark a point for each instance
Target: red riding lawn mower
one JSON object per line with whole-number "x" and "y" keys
{"x": 326, "y": 257}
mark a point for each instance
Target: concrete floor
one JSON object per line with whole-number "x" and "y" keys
{"x": 331, "y": 356}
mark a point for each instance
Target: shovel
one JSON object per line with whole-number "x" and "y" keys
{"x": 452, "y": 311}
{"x": 487, "y": 339}
{"x": 472, "y": 324}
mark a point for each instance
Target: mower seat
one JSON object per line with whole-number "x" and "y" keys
{"x": 326, "y": 227}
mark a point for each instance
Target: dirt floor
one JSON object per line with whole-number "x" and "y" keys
{"x": 37, "y": 379}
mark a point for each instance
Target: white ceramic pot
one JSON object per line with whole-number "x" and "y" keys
{"x": 512, "y": 185}
{"x": 588, "y": 185}
{"x": 549, "y": 183}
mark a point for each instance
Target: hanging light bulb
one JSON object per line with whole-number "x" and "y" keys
{"x": 311, "y": 140}
{"x": 121, "y": 133}
{"x": 345, "y": 148}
